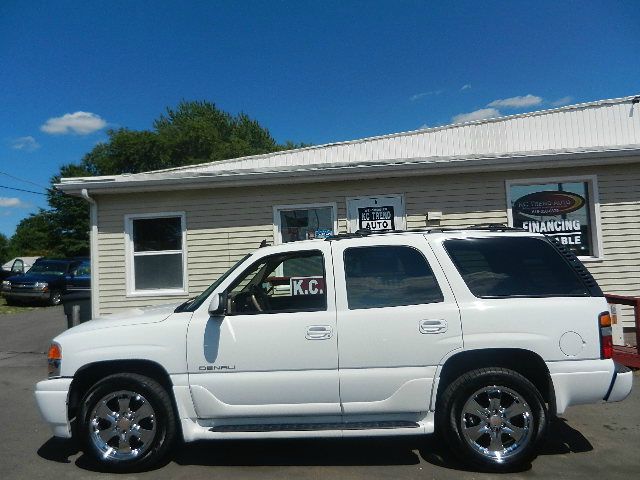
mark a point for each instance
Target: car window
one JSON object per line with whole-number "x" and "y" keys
{"x": 388, "y": 276}
{"x": 18, "y": 266}
{"x": 84, "y": 269}
{"x": 513, "y": 267}
{"x": 49, "y": 267}
{"x": 290, "y": 282}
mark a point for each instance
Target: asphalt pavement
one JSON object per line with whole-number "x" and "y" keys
{"x": 592, "y": 441}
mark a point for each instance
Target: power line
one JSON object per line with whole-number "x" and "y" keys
{"x": 22, "y": 180}
{"x": 22, "y": 190}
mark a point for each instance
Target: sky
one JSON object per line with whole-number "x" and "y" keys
{"x": 314, "y": 72}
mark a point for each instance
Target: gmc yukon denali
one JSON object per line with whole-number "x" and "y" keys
{"x": 477, "y": 335}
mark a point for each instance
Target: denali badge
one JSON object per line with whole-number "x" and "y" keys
{"x": 216, "y": 367}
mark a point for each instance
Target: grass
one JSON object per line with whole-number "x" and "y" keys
{"x": 6, "y": 309}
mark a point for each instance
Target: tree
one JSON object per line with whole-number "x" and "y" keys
{"x": 193, "y": 132}
{"x": 69, "y": 217}
{"x": 4, "y": 249}
{"x": 36, "y": 235}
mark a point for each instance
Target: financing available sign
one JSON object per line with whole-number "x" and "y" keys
{"x": 555, "y": 213}
{"x": 376, "y": 218}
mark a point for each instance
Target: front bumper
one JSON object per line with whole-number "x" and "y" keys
{"x": 26, "y": 295}
{"x": 51, "y": 398}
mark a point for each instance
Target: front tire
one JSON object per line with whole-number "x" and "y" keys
{"x": 127, "y": 423}
{"x": 492, "y": 418}
{"x": 55, "y": 298}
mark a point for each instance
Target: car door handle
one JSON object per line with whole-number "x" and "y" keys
{"x": 433, "y": 326}
{"x": 319, "y": 332}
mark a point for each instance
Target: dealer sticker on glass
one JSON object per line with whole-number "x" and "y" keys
{"x": 307, "y": 286}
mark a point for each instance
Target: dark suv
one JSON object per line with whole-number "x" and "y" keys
{"x": 46, "y": 281}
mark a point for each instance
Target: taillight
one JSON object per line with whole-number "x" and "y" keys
{"x": 606, "y": 340}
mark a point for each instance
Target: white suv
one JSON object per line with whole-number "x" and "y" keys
{"x": 480, "y": 335}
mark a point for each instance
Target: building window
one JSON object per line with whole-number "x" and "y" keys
{"x": 304, "y": 222}
{"x": 156, "y": 254}
{"x": 566, "y": 209}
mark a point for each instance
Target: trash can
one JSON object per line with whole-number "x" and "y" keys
{"x": 77, "y": 307}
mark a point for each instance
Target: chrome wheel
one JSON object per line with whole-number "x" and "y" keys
{"x": 56, "y": 298}
{"x": 496, "y": 422}
{"x": 122, "y": 425}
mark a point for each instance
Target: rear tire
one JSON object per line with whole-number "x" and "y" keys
{"x": 127, "y": 423}
{"x": 492, "y": 418}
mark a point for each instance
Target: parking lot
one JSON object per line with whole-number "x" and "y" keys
{"x": 588, "y": 442}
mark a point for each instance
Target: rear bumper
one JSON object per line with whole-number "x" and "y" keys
{"x": 589, "y": 381}
{"x": 51, "y": 398}
{"x": 621, "y": 384}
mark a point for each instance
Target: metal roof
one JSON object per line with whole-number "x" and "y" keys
{"x": 599, "y": 128}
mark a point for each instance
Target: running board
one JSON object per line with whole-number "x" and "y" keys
{"x": 309, "y": 427}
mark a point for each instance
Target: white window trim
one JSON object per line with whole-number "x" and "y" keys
{"x": 277, "y": 224}
{"x": 129, "y": 263}
{"x": 594, "y": 207}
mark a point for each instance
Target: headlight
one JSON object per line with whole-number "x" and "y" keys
{"x": 6, "y": 285}
{"x": 41, "y": 285}
{"x": 54, "y": 359}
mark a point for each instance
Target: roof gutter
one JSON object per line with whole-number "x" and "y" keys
{"x": 348, "y": 171}
{"x": 85, "y": 194}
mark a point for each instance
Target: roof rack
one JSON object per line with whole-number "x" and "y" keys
{"x": 490, "y": 227}
{"x": 495, "y": 227}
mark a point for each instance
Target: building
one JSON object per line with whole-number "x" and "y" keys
{"x": 572, "y": 172}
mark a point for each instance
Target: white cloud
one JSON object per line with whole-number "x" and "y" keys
{"x": 466, "y": 86}
{"x": 516, "y": 102}
{"x": 418, "y": 96}
{"x": 28, "y": 144}
{"x": 81, "y": 123}
{"x": 13, "y": 202}
{"x": 476, "y": 115}
{"x": 562, "y": 101}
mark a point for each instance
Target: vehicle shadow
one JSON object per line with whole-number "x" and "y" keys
{"x": 302, "y": 452}
{"x": 562, "y": 439}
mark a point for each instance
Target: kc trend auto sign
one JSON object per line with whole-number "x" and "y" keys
{"x": 376, "y": 218}
{"x": 549, "y": 203}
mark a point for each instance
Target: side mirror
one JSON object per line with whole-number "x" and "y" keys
{"x": 218, "y": 305}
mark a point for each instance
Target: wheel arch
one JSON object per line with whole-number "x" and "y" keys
{"x": 525, "y": 362}
{"x": 90, "y": 374}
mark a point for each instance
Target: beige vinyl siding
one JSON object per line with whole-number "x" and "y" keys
{"x": 224, "y": 224}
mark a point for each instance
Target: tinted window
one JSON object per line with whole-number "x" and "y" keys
{"x": 291, "y": 282}
{"x": 388, "y": 276}
{"x": 156, "y": 234}
{"x": 513, "y": 267}
{"x": 49, "y": 268}
{"x": 84, "y": 269}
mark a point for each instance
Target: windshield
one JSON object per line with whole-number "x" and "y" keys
{"x": 193, "y": 304}
{"x": 49, "y": 268}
